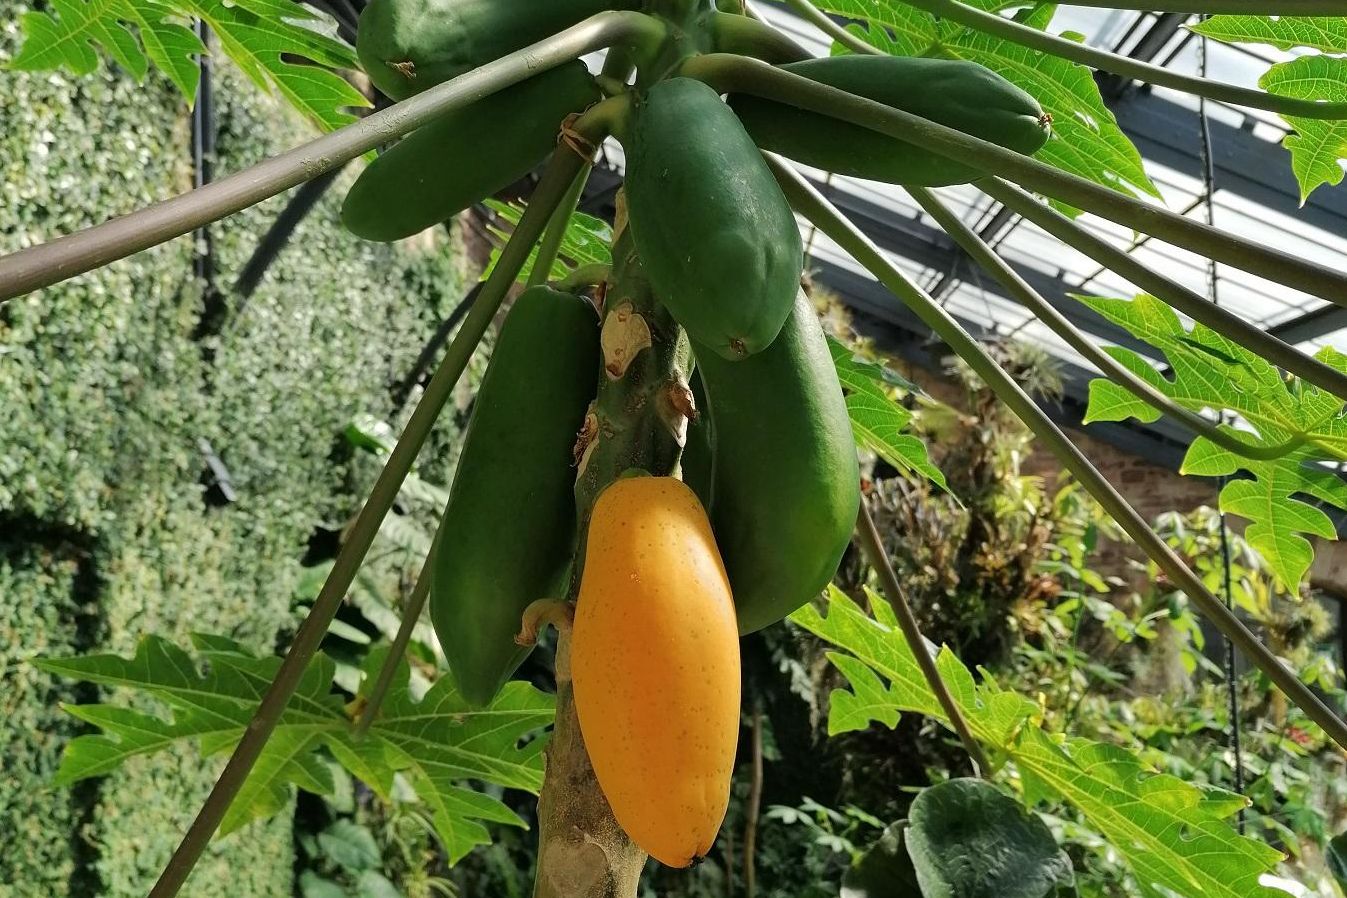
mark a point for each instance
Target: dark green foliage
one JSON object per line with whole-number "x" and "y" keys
{"x": 967, "y": 839}
{"x": 43, "y": 608}
{"x": 104, "y": 394}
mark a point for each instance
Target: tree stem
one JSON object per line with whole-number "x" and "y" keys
{"x": 823, "y": 22}
{"x": 819, "y": 211}
{"x": 753, "y": 812}
{"x": 873, "y": 547}
{"x": 738, "y": 73}
{"x": 416, "y": 603}
{"x": 561, "y": 171}
{"x": 583, "y": 852}
{"x": 556, "y": 231}
{"x": 63, "y": 258}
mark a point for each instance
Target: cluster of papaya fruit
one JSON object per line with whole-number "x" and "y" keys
{"x": 665, "y": 573}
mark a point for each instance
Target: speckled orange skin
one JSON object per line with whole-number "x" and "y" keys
{"x": 655, "y": 664}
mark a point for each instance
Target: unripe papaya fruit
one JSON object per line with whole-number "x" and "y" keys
{"x": 508, "y": 532}
{"x": 407, "y": 46}
{"x": 655, "y": 666}
{"x": 953, "y": 92}
{"x": 444, "y": 167}
{"x": 786, "y": 482}
{"x": 719, "y": 241}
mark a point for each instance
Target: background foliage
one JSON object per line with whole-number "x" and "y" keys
{"x": 105, "y": 390}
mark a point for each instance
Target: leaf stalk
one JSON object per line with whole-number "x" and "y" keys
{"x": 873, "y": 547}
{"x": 822, "y": 214}
{"x": 65, "y": 257}
{"x": 1027, "y": 296}
{"x": 739, "y": 73}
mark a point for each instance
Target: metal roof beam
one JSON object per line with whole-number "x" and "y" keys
{"x": 1312, "y": 325}
{"x": 1246, "y": 165}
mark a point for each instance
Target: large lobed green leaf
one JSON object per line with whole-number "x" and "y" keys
{"x": 878, "y": 421}
{"x": 435, "y": 743}
{"x": 1173, "y": 834}
{"x": 1085, "y": 140}
{"x": 586, "y": 241}
{"x": 258, "y": 35}
{"x": 1317, "y": 146}
{"x": 1210, "y": 372}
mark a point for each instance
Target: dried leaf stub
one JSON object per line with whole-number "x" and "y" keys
{"x": 677, "y": 408}
{"x": 619, "y": 215}
{"x": 585, "y": 440}
{"x": 625, "y": 334}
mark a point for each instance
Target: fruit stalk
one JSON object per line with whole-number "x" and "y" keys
{"x": 638, "y": 420}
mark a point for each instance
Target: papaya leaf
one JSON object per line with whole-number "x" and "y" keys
{"x": 588, "y": 241}
{"x": 272, "y": 42}
{"x": 435, "y": 744}
{"x": 1085, "y": 139}
{"x": 969, "y": 840}
{"x": 885, "y": 869}
{"x": 1317, "y": 147}
{"x": 1336, "y": 856}
{"x": 878, "y": 421}
{"x": 1173, "y": 834}
{"x": 1328, "y": 34}
{"x": 1211, "y": 373}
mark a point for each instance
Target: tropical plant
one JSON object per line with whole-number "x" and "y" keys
{"x": 703, "y": 271}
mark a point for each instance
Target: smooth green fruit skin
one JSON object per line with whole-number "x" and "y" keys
{"x": 444, "y": 167}
{"x": 787, "y": 485}
{"x": 956, "y": 93}
{"x": 508, "y": 532}
{"x": 407, "y": 46}
{"x": 719, "y": 240}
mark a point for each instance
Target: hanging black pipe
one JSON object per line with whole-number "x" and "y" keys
{"x": 278, "y": 235}
{"x": 203, "y": 172}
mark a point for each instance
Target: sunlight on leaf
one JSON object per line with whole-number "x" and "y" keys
{"x": 1209, "y": 372}
{"x": 1085, "y": 140}
{"x": 258, "y": 35}
{"x": 1317, "y": 147}
{"x": 587, "y": 242}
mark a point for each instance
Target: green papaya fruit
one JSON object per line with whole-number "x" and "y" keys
{"x": 956, "y": 93}
{"x": 508, "y": 531}
{"x": 787, "y": 484}
{"x": 719, "y": 240}
{"x": 444, "y": 167}
{"x": 407, "y": 46}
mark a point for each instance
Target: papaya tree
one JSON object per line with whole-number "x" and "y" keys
{"x": 663, "y": 453}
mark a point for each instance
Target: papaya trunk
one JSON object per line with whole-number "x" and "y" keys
{"x": 582, "y": 852}
{"x": 638, "y": 420}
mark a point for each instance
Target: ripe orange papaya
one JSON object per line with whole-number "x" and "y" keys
{"x": 655, "y": 666}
